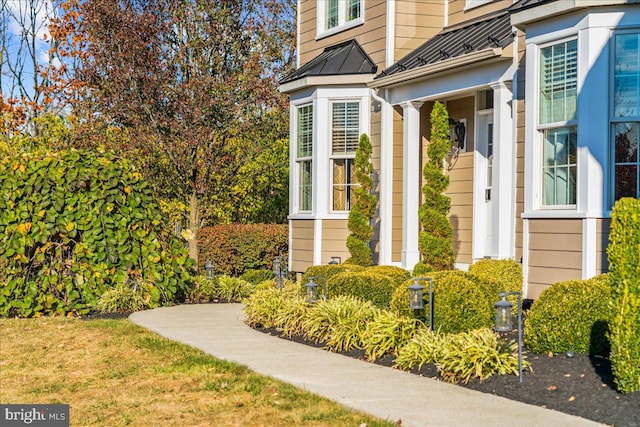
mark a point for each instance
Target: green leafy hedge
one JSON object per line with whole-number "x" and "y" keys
{"x": 397, "y": 274}
{"x": 461, "y": 301}
{"x": 571, "y": 315}
{"x": 329, "y": 271}
{"x": 74, "y": 224}
{"x": 373, "y": 287}
{"x": 624, "y": 266}
{"x": 506, "y": 274}
{"x": 235, "y": 248}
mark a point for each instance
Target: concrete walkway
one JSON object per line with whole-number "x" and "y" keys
{"x": 219, "y": 330}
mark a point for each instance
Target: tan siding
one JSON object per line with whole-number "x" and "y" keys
{"x": 334, "y": 239}
{"x": 555, "y": 252}
{"x": 416, "y": 21}
{"x": 301, "y": 245}
{"x": 371, "y": 35}
{"x": 603, "y": 228}
{"x": 457, "y": 14}
{"x": 396, "y": 232}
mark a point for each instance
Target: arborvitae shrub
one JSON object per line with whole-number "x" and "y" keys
{"x": 460, "y": 301}
{"x": 362, "y": 208}
{"x": 397, "y": 274}
{"x": 571, "y": 315}
{"x": 435, "y": 238}
{"x": 235, "y": 248}
{"x": 624, "y": 266}
{"x": 373, "y": 287}
{"x": 75, "y": 224}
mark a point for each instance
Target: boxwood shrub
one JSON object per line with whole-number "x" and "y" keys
{"x": 571, "y": 315}
{"x": 373, "y": 287}
{"x": 397, "y": 274}
{"x": 504, "y": 274}
{"x": 329, "y": 271}
{"x": 460, "y": 303}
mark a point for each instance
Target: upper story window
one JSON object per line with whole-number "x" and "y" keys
{"x": 557, "y": 122}
{"x": 337, "y": 15}
{"x": 625, "y": 118}
{"x": 304, "y": 155}
{"x": 345, "y": 131}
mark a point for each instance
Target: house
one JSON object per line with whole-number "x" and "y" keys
{"x": 545, "y": 117}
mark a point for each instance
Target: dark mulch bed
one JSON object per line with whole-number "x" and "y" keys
{"x": 581, "y": 385}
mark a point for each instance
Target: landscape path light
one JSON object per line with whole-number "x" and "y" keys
{"x": 277, "y": 270}
{"x": 208, "y": 269}
{"x": 312, "y": 289}
{"x": 335, "y": 260}
{"x": 416, "y": 297}
{"x": 504, "y": 321}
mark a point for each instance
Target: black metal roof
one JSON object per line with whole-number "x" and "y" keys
{"x": 341, "y": 59}
{"x": 527, "y": 4}
{"x": 487, "y": 32}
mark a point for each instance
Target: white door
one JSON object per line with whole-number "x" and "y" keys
{"x": 483, "y": 209}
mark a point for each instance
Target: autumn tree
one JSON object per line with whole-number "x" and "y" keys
{"x": 184, "y": 85}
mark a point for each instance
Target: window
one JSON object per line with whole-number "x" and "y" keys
{"x": 303, "y": 158}
{"x": 335, "y": 14}
{"x": 345, "y": 131}
{"x": 557, "y": 122}
{"x": 625, "y": 122}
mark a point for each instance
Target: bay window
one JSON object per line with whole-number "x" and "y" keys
{"x": 557, "y": 122}
{"x": 345, "y": 130}
{"x": 304, "y": 155}
{"x": 625, "y": 119}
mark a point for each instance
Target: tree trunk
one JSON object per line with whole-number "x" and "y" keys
{"x": 194, "y": 226}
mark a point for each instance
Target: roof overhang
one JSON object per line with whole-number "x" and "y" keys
{"x": 314, "y": 81}
{"x": 520, "y": 18}
{"x": 470, "y": 60}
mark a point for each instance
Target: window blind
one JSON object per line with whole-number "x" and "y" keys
{"x": 558, "y": 82}
{"x": 305, "y": 131}
{"x": 345, "y": 125}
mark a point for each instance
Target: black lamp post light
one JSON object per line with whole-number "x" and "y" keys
{"x": 416, "y": 297}
{"x": 335, "y": 260}
{"x": 208, "y": 269}
{"x": 312, "y": 291}
{"x": 280, "y": 271}
{"x": 504, "y": 321}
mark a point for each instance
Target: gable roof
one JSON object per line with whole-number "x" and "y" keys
{"x": 340, "y": 59}
{"x": 488, "y": 32}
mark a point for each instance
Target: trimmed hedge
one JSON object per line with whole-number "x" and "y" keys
{"x": 624, "y": 267}
{"x": 461, "y": 301}
{"x": 571, "y": 315}
{"x": 373, "y": 287}
{"x": 329, "y": 270}
{"x": 397, "y": 274}
{"x": 235, "y": 248}
{"x": 506, "y": 274}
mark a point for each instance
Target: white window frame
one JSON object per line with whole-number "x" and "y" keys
{"x": 613, "y": 120}
{"x": 321, "y": 19}
{"x": 297, "y": 187}
{"x": 343, "y": 156}
{"x": 541, "y": 129}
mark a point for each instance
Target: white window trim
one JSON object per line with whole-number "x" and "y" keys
{"x": 537, "y": 131}
{"x": 332, "y": 156}
{"x": 322, "y": 99}
{"x": 294, "y": 164}
{"x": 321, "y": 24}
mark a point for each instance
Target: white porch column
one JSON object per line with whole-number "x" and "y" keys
{"x": 504, "y": 178}
{"x": 410, "y": 183}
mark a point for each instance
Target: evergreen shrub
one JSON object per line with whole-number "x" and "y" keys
{"x": 257, "y": 276}
{"x": 236, "y": 248}
{"x": 460, "y": 301}
{"x": 373, "y": 287}
{"x": 506, "y": 274}
{"x": 329, "y": 270}
{"x": 624, "y": 267}
{"x": 570, "y": 315}
{"x": 397, "y": 274}
{"x": 73, "y": 225}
